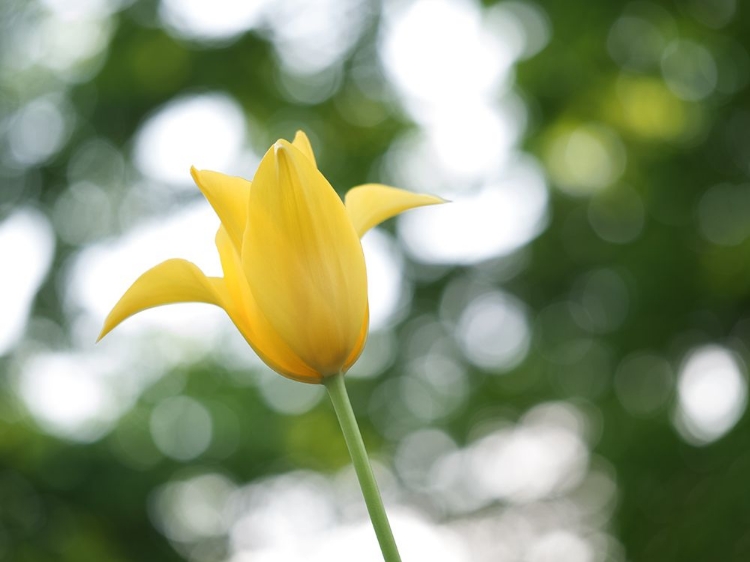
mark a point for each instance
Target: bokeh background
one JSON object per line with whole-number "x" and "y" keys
{"x": 557, "y": 368}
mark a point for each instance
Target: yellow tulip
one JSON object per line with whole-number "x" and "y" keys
{"x": 294, "y": 280}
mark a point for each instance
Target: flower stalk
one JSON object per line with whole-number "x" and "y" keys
{"x": 340, "y": 399}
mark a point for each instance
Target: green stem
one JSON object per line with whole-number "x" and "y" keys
{"x": 337, "y": 391}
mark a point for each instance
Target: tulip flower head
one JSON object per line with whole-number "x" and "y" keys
{"x": 295, "y": 283}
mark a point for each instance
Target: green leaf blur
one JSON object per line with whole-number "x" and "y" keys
{"x": 558, "y": 365}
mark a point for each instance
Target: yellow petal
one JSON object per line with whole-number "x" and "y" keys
{"x": 228, "y": 196}
{"x": 303, "y": 260}
{"x": 361, "y": 341}
{"x": 302, "y": 143}
{"x": 371, "y": 204}
{"x": 169, "y": 282}
{"x": 251, "y": 323}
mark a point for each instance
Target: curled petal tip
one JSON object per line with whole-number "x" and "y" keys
{"x": 195, "y": 174}
{"x": 106, "y": 329}
{"x": 302, "y": 143}
{"x": 282, "y": 152}
{"x": 371, "y": 204}
{"x": 300, "y": 138}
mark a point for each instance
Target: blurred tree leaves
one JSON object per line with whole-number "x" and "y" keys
{"x": 676, "y": 502}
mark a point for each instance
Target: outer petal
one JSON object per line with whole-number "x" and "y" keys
{"x": 251, "y": 322}
{"x": 228, "y": 196}
{"x": 361, "y": 341}
{"x": 169, "y": 282}
{"x": 371, "y": 204}
{"x": 302, "y": 143}
{"x": 303, "y": 260}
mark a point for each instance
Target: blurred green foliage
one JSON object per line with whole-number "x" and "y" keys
{"x": 676, "y": 501}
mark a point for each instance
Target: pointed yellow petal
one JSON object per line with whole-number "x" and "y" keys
{"x": 251, "y": 323}
{"x": 169, "y": 282}
{"x": 228, "y": 196}
{"x": 371, "y": 204}
{"x": 302, "y": 143}
{"x": 303, "y": 260}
